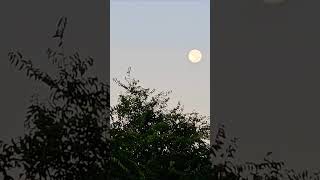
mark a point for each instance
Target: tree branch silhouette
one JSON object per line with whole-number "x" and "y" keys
{"x": 69, "y": 135}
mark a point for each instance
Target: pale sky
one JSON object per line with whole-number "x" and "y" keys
{"x": 153, "y": 37}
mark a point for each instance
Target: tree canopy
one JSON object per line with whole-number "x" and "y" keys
{"x": 67, "y": 134}
{"x": 156, "y": 141}
{"x": 75, "y": 135}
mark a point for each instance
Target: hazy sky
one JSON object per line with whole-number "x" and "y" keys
{"x": 154, "y": 37}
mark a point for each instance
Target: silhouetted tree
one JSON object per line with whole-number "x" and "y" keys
{"x": 66, "y": 135}
{"x": 154, "y": 141}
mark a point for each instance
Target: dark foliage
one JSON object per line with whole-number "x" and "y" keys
{"x": 69, "y": 137}
{"x": 155, "y": 142}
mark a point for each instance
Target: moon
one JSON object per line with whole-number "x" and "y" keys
{"x": 195, "y": 56}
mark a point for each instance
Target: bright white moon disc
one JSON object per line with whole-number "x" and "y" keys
{"x": 195, "y": 56}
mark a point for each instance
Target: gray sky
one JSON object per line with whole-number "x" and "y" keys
{"x": 153, "y": 37}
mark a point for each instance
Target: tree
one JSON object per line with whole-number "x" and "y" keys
{"x": 154, "y": 141}
{"x": 67, "y": 135}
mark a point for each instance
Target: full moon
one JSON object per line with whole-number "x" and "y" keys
{"x": 195, "y": 56}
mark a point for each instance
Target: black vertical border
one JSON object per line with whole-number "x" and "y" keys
{"x": 213, "y": 23}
